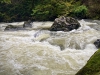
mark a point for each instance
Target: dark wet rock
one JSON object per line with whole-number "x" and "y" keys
{"x": 27, "y": 24}
{"x": 11, "y": 27}
{"x": 65, "y": 24}
{"x": 97, "y": 43}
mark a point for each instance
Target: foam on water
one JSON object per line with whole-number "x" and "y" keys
{"x": 41, "y": 52}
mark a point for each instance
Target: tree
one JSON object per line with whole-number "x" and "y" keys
{"x": 5, "y": 1}
{"x": 49, "y": 10}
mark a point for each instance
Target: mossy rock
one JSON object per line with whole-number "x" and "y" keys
{"x": 93, "y": 65}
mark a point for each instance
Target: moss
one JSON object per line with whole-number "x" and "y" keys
{"x": 93, "y": 65}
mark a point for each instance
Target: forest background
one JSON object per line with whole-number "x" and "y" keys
{"x": 48, "y": 10}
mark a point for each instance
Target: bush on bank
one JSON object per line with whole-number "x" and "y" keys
{"x": 43, "y": 10}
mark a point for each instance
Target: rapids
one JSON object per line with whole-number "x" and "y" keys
{"x": 38, "y": 51}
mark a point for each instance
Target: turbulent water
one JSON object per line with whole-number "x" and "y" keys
{"x": 38, "y": 51}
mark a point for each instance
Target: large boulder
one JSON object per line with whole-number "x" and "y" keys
{"x": 92, "y": 67}
{"x": 97, "y": 43}
{"x": 65, "y": 24}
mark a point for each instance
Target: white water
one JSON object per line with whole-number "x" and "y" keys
{"x": 40, "y": 52}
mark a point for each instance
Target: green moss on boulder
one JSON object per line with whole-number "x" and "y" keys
{"x": 93, "y": 65}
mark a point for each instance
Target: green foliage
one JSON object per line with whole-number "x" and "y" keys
{"x": 50, "y": 10}
{"x": 5, "y": 1}
{"x": 16, "y": 12}
{"x": 1, "y": 16}
{"x": 41, "y": 12}
{"x": 93, "y": 65}
{"x": 94, "y": 9}
{"x": 19, "y": 10}
{"x": 80, "y": 11}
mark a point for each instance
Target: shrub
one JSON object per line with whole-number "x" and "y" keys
{"x": 51, "y": 10}
{"x": 41, "y": 12}
{"x": 80, "y": 11}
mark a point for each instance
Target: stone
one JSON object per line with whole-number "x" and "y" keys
{"x": 11, "y": 27}
{"x": 65, "y": 24}
{"x": 97, "y": 43}
{"x": 27, "y": 24}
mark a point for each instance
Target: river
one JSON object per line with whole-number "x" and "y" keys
{"x": 38, "y": 51}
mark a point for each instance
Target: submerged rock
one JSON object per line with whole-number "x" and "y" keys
{"x": 93, "y": 65}
{"x": 27, "y": 24}
{"x": 97, "y": 43}
{"x": 65, "y": 24}
{"x": 11, "y": 27}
